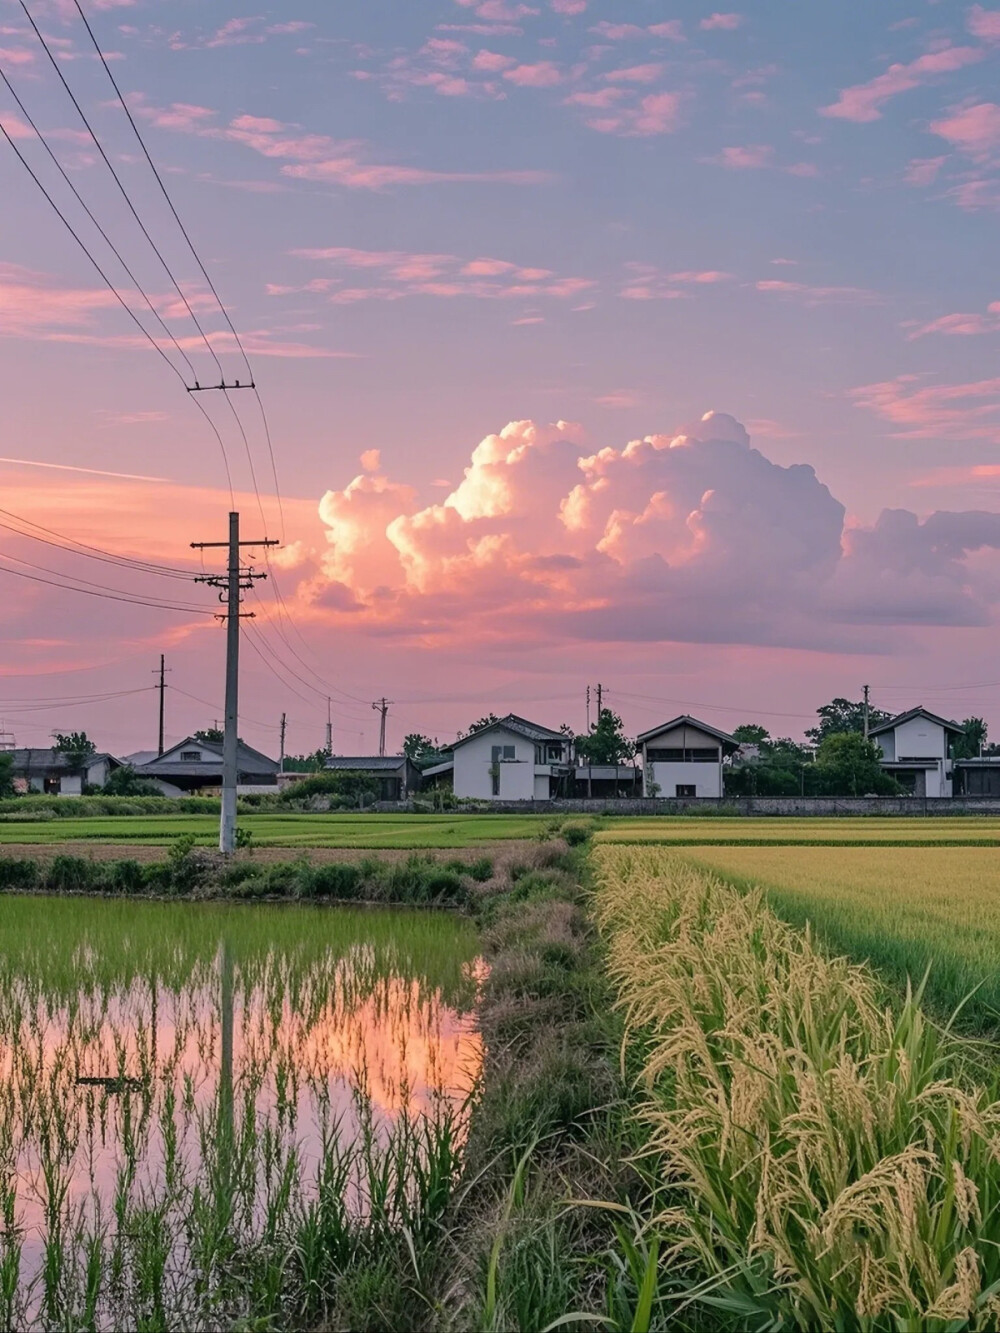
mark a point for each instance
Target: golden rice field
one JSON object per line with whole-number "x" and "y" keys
{"x": 813, "y": 1158}
{"x": 709, "y": 831}
{"x": 906, "y": 909}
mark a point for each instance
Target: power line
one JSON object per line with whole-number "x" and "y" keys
{"x": 83, "y": 204}
{"x": 118, "y": 296}
{"x": 117, "y": 179}
{"x": 723, "y": 708}
{"x": 197, "y": 258}
{"x": 91, "y": 553}
{"x": 107, "y": 595}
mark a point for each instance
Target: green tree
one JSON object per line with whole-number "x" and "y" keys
{"x": 607, "y": 742}
{"x": 974, "y": 740}
{"x": 751, "y": 733}
{"x": 416, "y": 746}
{"x": 783, "y": 768}
{"x": 6, "y": 774}
{"x": 306, "y": 763}
{"x": 210, "y": 735}
{"x": 848, "y": 765}
{"x": 841, "y": 715}
{"x": 76, "y": 746}
{"x": 125, "y": 781}
{"x": 482, "y": 723}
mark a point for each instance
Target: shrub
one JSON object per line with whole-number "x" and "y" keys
{"x": 352, "y": 786}
{"x": 339, "y": 879}
{"x": 18, "y": 873}
{"x": 185, "y": 869}
{"x": 125, "y": 877}
{"x": 577, "y": 831}
{"x": 71, "y": 874}
{"x": 480, "y": 870}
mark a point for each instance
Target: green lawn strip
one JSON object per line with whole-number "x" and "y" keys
{"x": 961, "y": 962}
{"x": 547, "y": 1128}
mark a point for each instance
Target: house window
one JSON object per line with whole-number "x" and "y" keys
{"x": 191, "y": 756}
{"x": 555, "y": 754}
{"x": 704, "y": 755}
{"x": 501, "y": 753}
{"x": 52, "y": 786}
{"x": 686, "y": 789}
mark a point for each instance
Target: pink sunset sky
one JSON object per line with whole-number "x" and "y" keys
{"x": 646, "y": 344}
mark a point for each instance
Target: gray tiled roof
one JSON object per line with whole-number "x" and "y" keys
{"x": 380, "y": 763}
{"x": 520, "y": 726}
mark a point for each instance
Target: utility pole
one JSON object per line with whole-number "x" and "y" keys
{"x": 866, "y": 711}
{"x": 588, "y": 710}
{"x": 382, "y": 706}
{"x": 231, "y": 584}
{"x": 329, "y": 728}
{"x": 162, "y": 688}
{"x": 600, "y": 702}
{"x": 281, "y": 761}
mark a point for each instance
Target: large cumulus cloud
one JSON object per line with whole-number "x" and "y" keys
{"x": 690, "y": 537}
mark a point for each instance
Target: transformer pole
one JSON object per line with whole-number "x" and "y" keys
{"x": 382, "y": 706}
{"x": 162, "y": 688}
{"x": 866, "y": 711}
{"x": 234, "y": 582}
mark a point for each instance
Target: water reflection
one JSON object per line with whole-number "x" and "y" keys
{"x": 155, "y": 1068}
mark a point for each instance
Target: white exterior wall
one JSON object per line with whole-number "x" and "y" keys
{"x": 705, "y": 778}
{"x": 70, "y": 784}
{"x": 920, "y": 739}
{"x": 543, "y": 784}
{"x": 473, "y": 760}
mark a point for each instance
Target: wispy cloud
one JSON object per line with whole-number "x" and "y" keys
{"x": 864, "y": 101}
{"x": 921, "y": 411}
{"x": 721, "y": 22}
{"x": 808, "y": 295}
{"x": 973, "y": 128}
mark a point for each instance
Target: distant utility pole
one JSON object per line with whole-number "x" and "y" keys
{"x": 600, "y": 702}
{"x": 382, "y": 706}
{"x": 162, "y": 688}
{"x": 281, "y": 761}
{"x": 329, "y": 728}
{"x": 588, "y": 710}
{"x": 231, "y": 584}
{"x": 866, "y": 711}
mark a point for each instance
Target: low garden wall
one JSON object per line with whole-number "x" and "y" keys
{"x": 759, "y": 805}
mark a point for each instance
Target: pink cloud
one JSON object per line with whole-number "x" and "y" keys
{"x": 635, "y": 74}
{"x": 961, "y": 325}
{"x": 812, "y": 296}
{"x": 703, "y": 276}
{"x": 16, "y": 56}
{"x": 923, "y": 170}
{"x": 401, "y": 274}
{"x": 672, "y": 30}
{"x": 658, "y": 113}
{"x": 569, "y": 6}
{"x": 723, "y": 22}
{"x": 984, "y": 23}
{"x": 600, "y": 100}
{"x": 748, "y": 158}
{"x": 31, "y": 304}
{"x": 974, "y": 195}
{"x": 498, "y": 11}
{"x": 689, "y": 536}
{"x": 492, "y": 61}
{"x": 544, "y": 74}
{"x": 648, "y": 283}
{"x": 617, "y": 32}
{"x": 863, "y": 101}
{"x": 974, "y": 130}
{"x": 316, "y": 157}
{"x": 935, "y": 411}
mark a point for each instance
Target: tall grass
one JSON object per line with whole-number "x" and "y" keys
{"x": 814, "y": 1160}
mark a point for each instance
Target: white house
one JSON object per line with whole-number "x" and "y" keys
{"x": 52, "y": 772}
{"x": 683, "y": 758}
{"x": 916, "y": 751}
{"x": 512, "y": 760}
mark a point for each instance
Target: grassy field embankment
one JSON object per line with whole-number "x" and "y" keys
{"x": 814, "y": 1159}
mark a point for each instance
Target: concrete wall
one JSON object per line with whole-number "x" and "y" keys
{"x": 759, "y": 806}
{"x": 705, "y": 778}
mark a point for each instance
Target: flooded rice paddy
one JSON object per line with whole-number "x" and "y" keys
{"x": 208, "y": 1113}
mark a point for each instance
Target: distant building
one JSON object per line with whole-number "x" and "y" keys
{"x": 512, "y": 760}
{"x": 977, "y": 777}
{"x": 683, "y": 758}
{"x": 916, "y": 751}
{"x": 194, "y": 767}
{"x": 50, "y": 771}
{"x": 606, "y": 781}
{"x": 394, "y": 776}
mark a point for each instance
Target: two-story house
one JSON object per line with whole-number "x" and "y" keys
{"x": 916, "y": 751}
{"x": 512, "y": 760}
{"x": 683, "y": 758}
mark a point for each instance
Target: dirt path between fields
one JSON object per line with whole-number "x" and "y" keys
{"x": 93, "y": 850}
